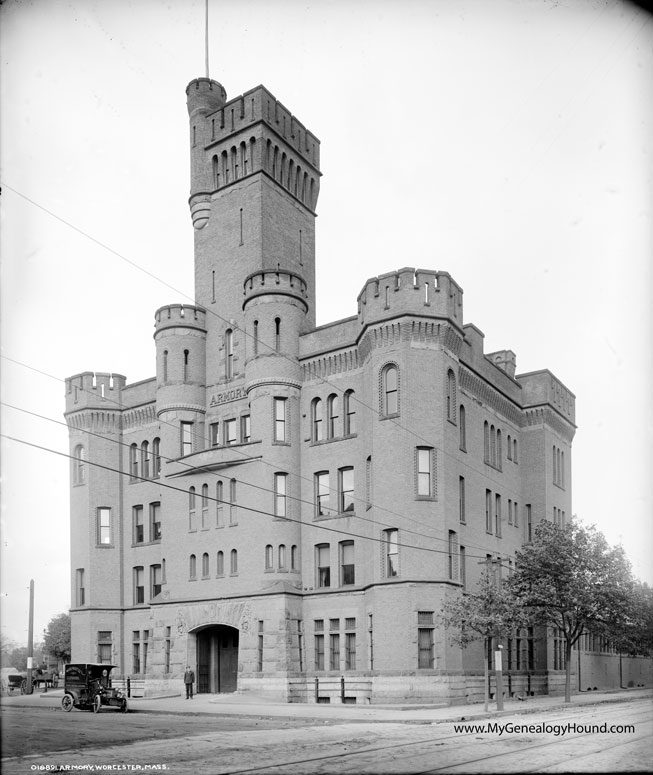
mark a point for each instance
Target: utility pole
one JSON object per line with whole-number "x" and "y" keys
{"x": 30, "y": 638}
{"x": 498, "y": 676}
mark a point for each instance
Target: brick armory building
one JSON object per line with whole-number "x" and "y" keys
{"x": 284, "y": 502}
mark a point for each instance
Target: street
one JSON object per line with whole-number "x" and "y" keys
{"x": 181, "y": 744}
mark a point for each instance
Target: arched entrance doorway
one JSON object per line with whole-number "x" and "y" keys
{"x": 217, "y": 659}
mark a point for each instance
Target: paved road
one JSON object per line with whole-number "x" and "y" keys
{"x": 195, "y": 744}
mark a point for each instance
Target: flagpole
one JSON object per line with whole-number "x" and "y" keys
{"x": 206, "y": 36}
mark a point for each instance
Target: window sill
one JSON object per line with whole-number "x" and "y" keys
{"x": 389, "y": 416}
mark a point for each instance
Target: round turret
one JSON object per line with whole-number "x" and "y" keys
{"x": 204, "y": 95}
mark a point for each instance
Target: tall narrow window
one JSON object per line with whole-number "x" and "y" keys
{"x": 156, "y": 458}
{"x": 497, "y": 515}
{"x": 186, "y": 429}
{"x": 233, "y": 562}
{"x": 104, "y": 646}
{"x": 139, "y": 529}
{"x": 347, "y": 566}
{"x": 294, "y": 557}
{"x": 79, "y": 465}
{"x": 453, "y": 556}
{"x": 282, "y": 556}
{"x": 390, "y": 390}
{"x": 322, "y": 494}
{"x": 269, "y": 557}
{"x": 368, "y": 482}
{"x": 528, "y": 527}
{"x": 280, "y": 430}
{"x": 219, "y": 564}
{"x": 136, "y": 650}
{"x": 463, "y": 568}
{"x": 255, "y": 337}
{"x": 259, "y": 656}
{"x": 139, "y": 585}
{"x": 451, "y": 396}
{"x": 280, "y": 495}
{"x": 205, "y": 565}
{"x": 486, "y": 442}
{"x": 219, "y": 505}
{"x": 514, "y": 450}
{"x": 316, "y": 419}
{"x": 186, "y": 364}
{"x": 493, "y": 445}
{"x": 80, "y": 588}
{"x": 233, "y": 508}
{"x": 214, "y": 434}
{"x": 104, "y": 537}
{"x": 133, "y": 462}
{"x": 165, "y": 365}
{"x": 391, "y": 546}
{"x": 425, "y": 640}
{"x": 462, "y": 428}
{"x": 277, "y": 335}
{"x": 192, "y": 567}
{"x": 245, "y": 428}
{"x": 346, "y": 489}
{"x": 488, "y": 511}
{"x": 155, "y": 521}
{"x": 205, "y": 506}
{"x": 334, "y": 649}
{"x": 229, "y": 353}
{"x": 424, "y": 471}
{"x": 323, "y": 565}
{"x": 499, "y": 460}
{"x": 145, "y": 460}
{"x": 155, "y": 580}
{"x": 319, "y": 644}
{"x": 509, "y": 447}
{"x": 332, "y": 416}
{"x": 461, "y": 500}
{"x": 167, "y": 650}
{"x": 349, "y": 413}
{"x": 191, "y": 509}
{"x": 230, "y": 431}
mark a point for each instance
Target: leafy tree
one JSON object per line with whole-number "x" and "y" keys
{"x": 635, "y": 636}
{"x": 56, "y": 637}
{"x": 490, "y": 610}
{"x": 570, "y": 578}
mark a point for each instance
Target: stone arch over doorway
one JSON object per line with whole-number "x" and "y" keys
{"x": 217, "y": 659}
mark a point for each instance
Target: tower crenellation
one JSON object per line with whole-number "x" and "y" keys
{"x": 93, "y": 389}
{"x": 411, "y": 291}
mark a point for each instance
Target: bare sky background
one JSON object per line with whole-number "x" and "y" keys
{"x": 507, "y": 142}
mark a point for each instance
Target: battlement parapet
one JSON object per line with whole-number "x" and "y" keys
{"x": 275, "y": 281}
{"x": 256, "y": 105}
{"x": 204, "y": 95}
{"x": 506, "y": 360}
{"x": 411, "y": 291}
{"x": 94, "y": 388}
{"x": 543, "y": 387}
{"x": 179, "y": 316}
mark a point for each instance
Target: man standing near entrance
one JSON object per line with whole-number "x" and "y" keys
{"x": 189, "y": 680}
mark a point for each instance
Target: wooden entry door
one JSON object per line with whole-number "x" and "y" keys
{"x": 217, "y": 660}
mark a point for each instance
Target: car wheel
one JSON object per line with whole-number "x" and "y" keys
{"x": 97, "y": 703}
{"x": 67, "y": 703}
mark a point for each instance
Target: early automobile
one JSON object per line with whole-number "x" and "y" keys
{"x": 87, "y": 686}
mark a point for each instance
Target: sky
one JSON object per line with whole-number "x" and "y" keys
{"x": 507, "y": 142}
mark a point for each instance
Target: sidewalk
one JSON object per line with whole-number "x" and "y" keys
{"x": 252, "y": 705}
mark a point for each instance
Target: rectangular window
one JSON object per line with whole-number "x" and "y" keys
{"x": 488, "y": 511}
{"x": 319, "y": 652}
{"x": 322, "y": 493}
{"x": 104, "y": 526}
{"x": 515, "y": 511}
{"x": 463, "y": 569}
{"x": 350, "y": 651}
{"x": 323, "y": 565}
{"x": 186, "y": 430}
{"x": 136, "y": 651}
{"x": 391, "y": 552}
{"x": 368, "y": 483}
{"x": 347, "y": 567}
{"x": 300, "y": 644}
{"x": 346, "y": 489}
{"x": 497, "y": 515}
{"x": 139, "y": 529}
{"x": 334, "y": 651}
{"x": 280, "y": 420}
{"x": 425, "y": 641}
{"x": 214, "y": 434}
{"x": 168, "y": 644}
{"x": 280, "y": 495}
{"x": 461, "y": 499}
{"x": 259, "y": 656}
{"x": 245, "y": 428}
{"x": 233, "y": 508}
{"x": 424, "y": 471}
{"x": 509, "y": 511}
{"x": 155, "y": 521}
{"x": 139, "y": 585}
{"x": 104, "y": 647}
{"x": 453, "y": 556}
{"x": 155, "y": 580}
{"x": 146, "y": 638}
{"x": 230, "y": 431}
{"x": 80, "y": 594}
{"x": 528, "y": 527}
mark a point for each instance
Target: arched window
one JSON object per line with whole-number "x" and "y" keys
{"x": 79, "y": 465}
{"x": 486, "y": 442}
{"x": 133, "y": 462}
{"x": 499, "y": 460}
{"x": 294, "y": 558}
{"x": 493, "y": 445}
{"x": 219, "y": 507}
{"x": 282, "y": 556}
{"x": 514, "y": 450}
{"x": 332, "y": 416}
{"x": 316, "y": 419}
{"x": 205, "y": 565}
{"x": 509, "y": 448}
{"x": 191, "y": 508}
{"x": 233, "y": 568}
{"x": 349, "y": 413}
{"x": 229, "y": 353}
{"x": 451, "y": 396}
{"x": 269, "y": 557}
{"x": 192, "y": 567}
{"x": 205, "y": 505}
{"x": 462, "y": 428}
{"x": 145, "y": 460}
{"x": 156, "y": 458}
{"x": 225, "y": 167}
{"x": 186, "y": 364}
{"x": 256, "y": 337}
{"x": 233, "y": 513}
{"x": 234, "y": 162}
{"x": 165, "y": 365}
{"x": 219, "y": 565}
{"x": 390, "y": 390}
{"x": 277, "y": 334}
{"x": 216, "y": 172}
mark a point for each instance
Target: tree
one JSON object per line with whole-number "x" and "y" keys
{"x": 570, "y": 578}
{"x": 489, "y": 611}
{"x": 56, "y": 637}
